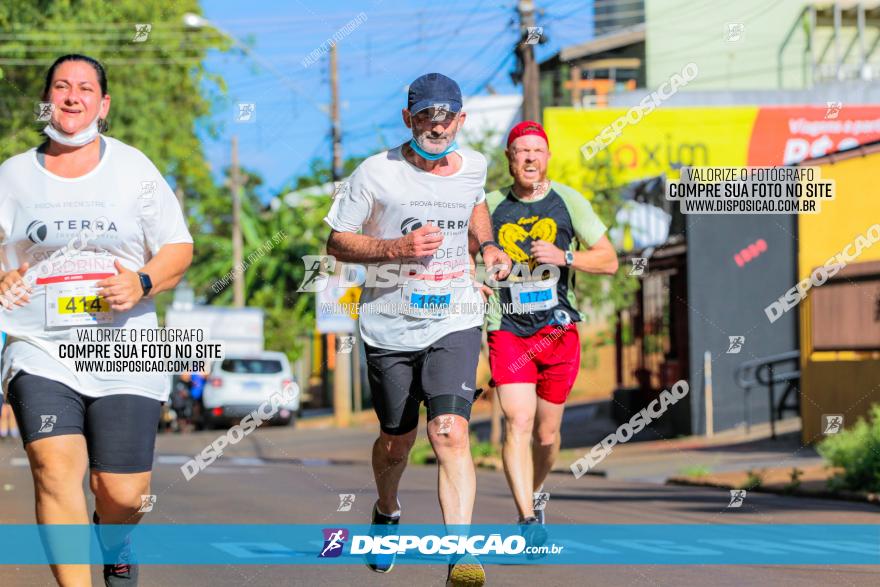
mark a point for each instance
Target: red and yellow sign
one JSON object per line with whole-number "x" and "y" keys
{"x": 669, "y": 138}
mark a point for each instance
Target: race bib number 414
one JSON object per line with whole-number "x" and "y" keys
{"x": 76, "y": 304}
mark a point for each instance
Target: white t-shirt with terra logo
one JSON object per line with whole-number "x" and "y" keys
{"x": 386, "y": 198}
{"x": 131, "y": 211}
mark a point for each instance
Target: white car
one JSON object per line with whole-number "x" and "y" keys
{"x": 241, "y": 383}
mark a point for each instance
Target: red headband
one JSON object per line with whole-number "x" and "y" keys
{"x": 526, "y": 127}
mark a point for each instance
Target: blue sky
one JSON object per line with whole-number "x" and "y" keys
{"x": 467, "y": 40}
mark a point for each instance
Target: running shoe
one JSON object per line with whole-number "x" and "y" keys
{"x": 382, "y": 525}
{"x": 466, "y": 572}
{"x": 534, "y": 533}
{"x": 123, "y": 573}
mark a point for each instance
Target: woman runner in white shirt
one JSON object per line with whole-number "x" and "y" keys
{"x": 138, "y": 246}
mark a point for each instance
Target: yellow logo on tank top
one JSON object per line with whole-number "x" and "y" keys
{"x": 510, "y": 236}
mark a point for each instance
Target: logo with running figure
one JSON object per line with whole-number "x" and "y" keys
{"x": 639, "y": 266}
{"x": 441, "y": 111}
{"x": 148, "y": 189}
{"x": 446, "y": 423}
{"x": 346, "y": 344}
{"x": 341, "y": 189}
{"x": 539, "y": 501}
{"x": 346, "y": 500}
{"x": 47, "y": 423}
{"x": 318, "y": 269}
{"x": 533, "y": 35}
{"x": 737, "y": 497}
{"x": 141, "y": 32}
{"x": 247, "y": 112}
{"x": 735, "y": 344}
{"x": 735, "y": 31}
{"x": 334, "y": 541}
{"x": 147, "y": 503}
{"x": 44, "y": 111}
{"x": 832, "y": 423}
{"x": 832, "y": 109}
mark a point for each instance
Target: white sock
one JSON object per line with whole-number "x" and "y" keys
{"x": 395, "y": 514}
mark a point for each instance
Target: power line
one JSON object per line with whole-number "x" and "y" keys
{"x": 469, "y": 60}
{"x": 494, "y": 73}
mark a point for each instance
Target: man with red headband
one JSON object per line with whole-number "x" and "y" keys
{"x": 534, "y": 349}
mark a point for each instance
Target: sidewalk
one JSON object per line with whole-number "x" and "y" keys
{"x": 732, "y": 459}
{"x": 731, "y": 450}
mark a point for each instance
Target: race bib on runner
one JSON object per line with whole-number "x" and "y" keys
{"x": 421, "y": 300}
{"x": 76, "y": 304}
{"x": 533, "y": 296}
{"x": 72, "y": 294}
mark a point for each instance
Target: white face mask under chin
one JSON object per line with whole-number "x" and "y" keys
{"x": 83, "y": 137}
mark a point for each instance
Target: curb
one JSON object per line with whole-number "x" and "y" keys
{"x": 856, "y": 496}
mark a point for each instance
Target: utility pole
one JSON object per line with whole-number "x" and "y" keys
{"x": 237, "y": 254}
{"x": 531, "y": 107}
{"x": 343, "y": 362}
{"x": 334, "y": 116}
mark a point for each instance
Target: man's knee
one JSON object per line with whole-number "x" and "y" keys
{"x": 519, "y": 424}
{"x": 448, "y": 431}
{"x": 546, "y": 436}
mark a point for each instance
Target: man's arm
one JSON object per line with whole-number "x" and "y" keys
{"x": 601, "y": 258}
{"x": 480, "y": 227}
{"x": 480, "y": 231}
{"x": 350, "y": 247}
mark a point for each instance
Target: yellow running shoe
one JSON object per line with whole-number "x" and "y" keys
{"x": 466, "y": 572}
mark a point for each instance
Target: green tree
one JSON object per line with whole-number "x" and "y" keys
{"x": 486, "y": 143}
{"x": 161, "y": 92}
{"x": 274, "y": 244}
{"x": 320, "y": 172}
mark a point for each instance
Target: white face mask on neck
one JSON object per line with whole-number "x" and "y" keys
{"x": 83, "y": 137}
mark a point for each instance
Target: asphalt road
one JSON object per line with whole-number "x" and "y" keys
{"x": 295, "y": 477}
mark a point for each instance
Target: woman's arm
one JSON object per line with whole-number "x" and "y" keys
{"x": 166, "y": 269}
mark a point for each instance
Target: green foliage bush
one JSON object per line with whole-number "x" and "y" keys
{"x": 857, "y": 451}
{"x": 754, "y": 480}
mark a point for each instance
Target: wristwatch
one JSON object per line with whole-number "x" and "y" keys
{"x": 485, "y": 244}
{"x": 146, "y": 283}
{"x": 569, "y": 258}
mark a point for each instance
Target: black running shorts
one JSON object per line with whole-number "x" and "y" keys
{"x": 120, "y": 430}
{"x": 442, "y": 375}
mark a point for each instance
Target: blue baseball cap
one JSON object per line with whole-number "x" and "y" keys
{"x": 431, "y": 90}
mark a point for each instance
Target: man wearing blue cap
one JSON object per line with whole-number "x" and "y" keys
{"x": 411, "y": 211}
